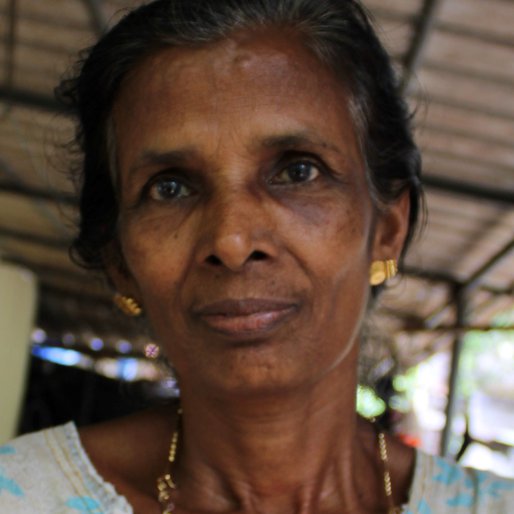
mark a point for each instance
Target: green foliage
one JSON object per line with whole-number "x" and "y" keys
{"x": 369, "y": 405}
{"x": 487, "y": 360}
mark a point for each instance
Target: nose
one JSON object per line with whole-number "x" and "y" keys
{"x": 236, "y": 230}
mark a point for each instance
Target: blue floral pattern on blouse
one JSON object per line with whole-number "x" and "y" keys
{"x": 49, "y": 473}
{"x": 84, "y": 504}
{"x": 8, "y": 484}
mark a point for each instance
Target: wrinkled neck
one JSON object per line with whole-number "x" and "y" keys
{"x": 297, "y": 452}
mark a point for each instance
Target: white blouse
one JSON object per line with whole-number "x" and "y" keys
{"x": 48, "y": 472}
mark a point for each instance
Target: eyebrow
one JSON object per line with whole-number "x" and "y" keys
{"x": 163, "y": 158}
{"x": 297, "y": 139}
{"x": 180, "y": 156}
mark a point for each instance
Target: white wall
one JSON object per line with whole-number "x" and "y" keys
{"x": 18, "y": 299}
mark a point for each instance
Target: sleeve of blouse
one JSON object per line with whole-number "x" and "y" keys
{"x": 48, "y": 472}
{"x": 443, "y": 487}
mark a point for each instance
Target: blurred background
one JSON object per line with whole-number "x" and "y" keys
{"x": 439, "y": 362}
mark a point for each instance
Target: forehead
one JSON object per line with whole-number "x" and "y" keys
{"x": 250, "y": 83}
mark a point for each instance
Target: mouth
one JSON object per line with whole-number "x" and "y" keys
{"x": 246, "y": 317}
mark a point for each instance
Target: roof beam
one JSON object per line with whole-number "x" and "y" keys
{"x": 42, "y": 207}
{"x": 431, "y": 276}
{"x": 97, "y": 16}
{"x": 478, "y": 35}
{"x": 454, "y": 70}
{"x": 447, "y": 27}
{"x": 422, "y": 31}
{"x": 478, "y": 277}
{"x": 38, "y": 194}
{"x": 469, "y": 190}
{"x": 468, "y": 159}
{"x": 47, "y": 273}
{"x": 85, "y": 297}
{"x": 455, "y": 329}
{"x": 463, "y": 105}
{"x": 463, "y": 133}
{"x": 27, "y": 237}
{"x": 27, "y": 98}
{"x": 10, "y": 42}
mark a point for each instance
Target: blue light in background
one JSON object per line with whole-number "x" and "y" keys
{"x": 38, "y": 336}
{"x": 127, "y": 369}
{"x": 123, "y": 346}
{"x": 68, "y": 338}
{"x": 57, "y": 355}
{"x": 96, "y": 344}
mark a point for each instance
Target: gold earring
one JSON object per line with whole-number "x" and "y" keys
{"x": 127, "y": 305}
{"x": 380, "y": 271}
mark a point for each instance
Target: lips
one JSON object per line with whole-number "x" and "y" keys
{"x": 246, "y": 317}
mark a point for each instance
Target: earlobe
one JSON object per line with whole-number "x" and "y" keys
{"x": 391, "y": 229}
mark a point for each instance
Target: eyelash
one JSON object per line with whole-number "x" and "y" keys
{"x": 299, "y": 161}
{"x": 161, "y": 179}
{"x": 284, "y": 165}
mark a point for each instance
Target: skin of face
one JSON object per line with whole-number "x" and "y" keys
{"x": 246, "y": 226}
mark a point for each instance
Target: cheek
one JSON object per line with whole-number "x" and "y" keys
{"x": 334, "y": 252}
{"x": 333, "y": 233}
{"x": 155, "y": 257}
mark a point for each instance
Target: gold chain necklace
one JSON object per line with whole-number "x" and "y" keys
{"x": 166, "y": 485}
{"x": 388, "y": 489}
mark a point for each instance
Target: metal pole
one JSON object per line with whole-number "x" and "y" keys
{"x": 478, "y": 277}
{"x": 422, "y": 31}
{"x": 460, "y": 299}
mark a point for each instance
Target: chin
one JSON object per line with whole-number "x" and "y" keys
{"x": 261, "y": 370}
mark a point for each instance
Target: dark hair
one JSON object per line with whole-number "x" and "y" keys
{"x": 337, "y": 31}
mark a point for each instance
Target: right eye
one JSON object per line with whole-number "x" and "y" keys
{"x": 297, "y": 172}
{"x": 167, "y": 188}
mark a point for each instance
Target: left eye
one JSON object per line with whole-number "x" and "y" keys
{"x": 297, "y": 172}
{"x": 167, "y": 188}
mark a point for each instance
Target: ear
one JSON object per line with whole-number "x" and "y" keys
{"x": 118, "y": 273}
{"x": 391, "y": 229}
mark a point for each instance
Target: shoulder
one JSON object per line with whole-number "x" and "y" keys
{"x": 49, "y": 472}
{"x": 130, "y": 452}
{"x": 127, "y": 448}
{"x": 441, "y": 486}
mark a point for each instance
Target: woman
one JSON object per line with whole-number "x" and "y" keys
{"x": 246, "y": 164}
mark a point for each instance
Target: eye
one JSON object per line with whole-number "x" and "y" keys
{"x": 296, "y": 173}
{"x": 166, "y": 188}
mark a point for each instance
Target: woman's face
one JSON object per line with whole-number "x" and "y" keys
{"x": 246, "y": 224}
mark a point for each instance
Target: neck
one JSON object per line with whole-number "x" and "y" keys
{"x": 294, "y": 452}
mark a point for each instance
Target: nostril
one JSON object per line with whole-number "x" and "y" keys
{"x": 258, "y": 256}
{"x": 212, "y": 259}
